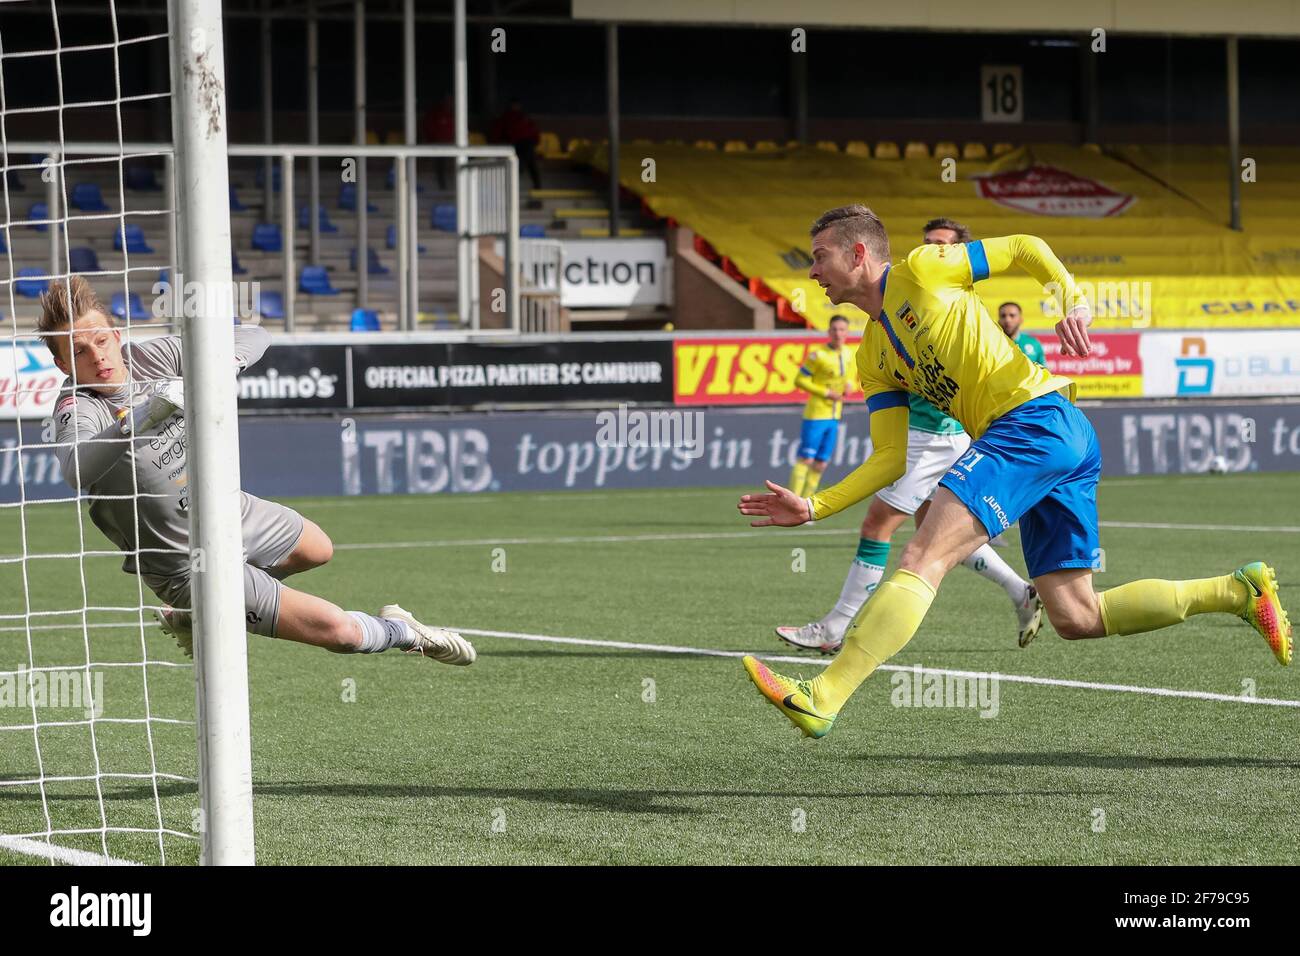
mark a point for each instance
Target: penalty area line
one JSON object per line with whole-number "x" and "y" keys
{"x": 789, "y": 659}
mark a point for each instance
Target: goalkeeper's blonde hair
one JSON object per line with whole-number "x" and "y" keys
{"x": 65, "y": 301}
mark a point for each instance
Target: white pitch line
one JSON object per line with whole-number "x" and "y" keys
{"x": 60, "y": 854}
{"x": 1009, "y": 678}
{"x": 757, "y": 532}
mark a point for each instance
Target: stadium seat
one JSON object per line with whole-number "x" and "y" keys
{"x": 1001, "y": 149}
{"x": 674, "y": 142}
{"x": 532, "y": 230}
{"x": 235, "y": 268}
{"x": 477, "y": 139}
{"x": 29, "y": 286}
{"x": 642, "y": 141}
{"x": 134, "y": 239}
{"x": 325, "y": 225}
{"x": 792, "y": 144}
{"x": 372, "y": 138}
{"x": 38, "y": 210}
{"x": 887, "y": 150}
{"x": 766, "y": 146}
{"x": 260, "y": 177}
{"x": 390, "y": 239}
{"x": 858, "y": 148}
{"x": 829, "y": 145}
{"x": 3, "y": 246}
{"x": 348, "y": 199}
{"x": 916, "y": 150}
{"x": 365, "y": 320}
{"x": 164, "y": 277}
{"x": 83, "y": 259}
{"x": 140, "y": 178}
{"x": 735, "y": 146}
{"x": 974, "y": 151}
{"x": 444, "y": 217}
{"x": 705, "y": 144}
{"x": 548, "y": 147}
{"x": 946, "y": 150}
{"x": 119, "y": 307}
{"x": 374, "y": 266}
{"x": 314, "y": 280}
{"x": 235, "y": 204}
{"x": 267, "y": 237}
{"x": 87, "y": 198}
{"x": 269, "y": 305}
{"x": 577, "y": 143}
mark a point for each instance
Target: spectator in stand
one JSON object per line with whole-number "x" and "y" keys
{"x": 440, "y": 127}
{"x": 516, "y": 128}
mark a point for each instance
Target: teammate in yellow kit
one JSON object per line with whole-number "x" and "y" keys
{"x": 826, "y": 375}
{"x": 1035, "y": 458}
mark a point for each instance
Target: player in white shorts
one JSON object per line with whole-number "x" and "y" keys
{"x": 934, "y": 442}
{"x": 122, "y": 443}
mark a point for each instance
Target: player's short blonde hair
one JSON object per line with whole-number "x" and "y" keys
{"x": 65, "y": 301}
{"x": 854, "y": 224}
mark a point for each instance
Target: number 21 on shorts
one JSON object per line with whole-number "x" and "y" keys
{"x": 969, "y": 460}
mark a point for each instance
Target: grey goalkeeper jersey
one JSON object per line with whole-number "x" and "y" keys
{"x": 138, "y": 482}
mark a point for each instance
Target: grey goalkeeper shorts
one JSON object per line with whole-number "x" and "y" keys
{"x": 270, "y": 532}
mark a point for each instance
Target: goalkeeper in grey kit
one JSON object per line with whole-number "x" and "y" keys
{"x": 121, "y": 436}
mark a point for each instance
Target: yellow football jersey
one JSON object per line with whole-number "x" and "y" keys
{"x": 823, "y": 369}
{"x": 934, "y": 337}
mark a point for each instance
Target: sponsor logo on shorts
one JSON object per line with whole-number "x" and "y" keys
{"x": 997, "y": 511}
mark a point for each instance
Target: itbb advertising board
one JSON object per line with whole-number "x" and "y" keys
{"x": 648, "y": 448}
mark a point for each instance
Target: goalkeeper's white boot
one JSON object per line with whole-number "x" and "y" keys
{"x": 437, "y": 643}
{"x": 812, "y": 637}
{"x": 179, "y": 625}
{"x": 1029, "y": 616}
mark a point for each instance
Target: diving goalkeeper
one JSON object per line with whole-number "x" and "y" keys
{"x": 121, "y": 437}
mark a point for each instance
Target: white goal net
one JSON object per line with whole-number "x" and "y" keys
{"x": 98, "y": 756}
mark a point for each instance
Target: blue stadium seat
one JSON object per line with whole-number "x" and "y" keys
{"x": 275, "y": 177}
{"x": 138, "y": 311}
{"x": 235, "y": 204}
{"x": 83, "y": 259}
{"x": 314, "y": 280}
{"x": 325, "y": 224}
{"x": 3, "y": 247}
{"x": 235, "y": 268}
{"x": 532, "y": 230}
{"x": 390, "y": 238}
{"x": 348, "y": 199}
{"x": 444, "y": 217}
{"x": 134, "y": 239}
{"x": 269, "y": 305}
{"x": 141, "y": 178}
{"x": 87, "y": 198}
{"x": 38, "y": 210}
{"x": 365, "y": 320}
{"x": 29, "y": 287}
{"x": 375, "y": 267}
{"x": 165, "y": 276}
{"x": 392, "y": 180}
{"x": 267, "y": 238}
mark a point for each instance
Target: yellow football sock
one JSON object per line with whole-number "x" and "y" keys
{"x": 1146, "y": 605}
{"x": 880, "y": 630}
{"x": 798, "y": 475}
{"x": 811, "y": 482}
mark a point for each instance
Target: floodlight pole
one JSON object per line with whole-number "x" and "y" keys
{"x": 268, "y": 117}
{"x": 411, "y": 197}
{"x": 313, "y": 130}
{"x": 363, "y": 222}
{"x": 1234, "y": 137}
{"x": 611, "y": 87}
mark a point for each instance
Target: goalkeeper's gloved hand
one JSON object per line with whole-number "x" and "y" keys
{"x": 166, "y": 398}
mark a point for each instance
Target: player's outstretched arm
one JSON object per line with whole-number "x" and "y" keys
{"x": 1037, "y": 258}
{"x": 781, "y": 506}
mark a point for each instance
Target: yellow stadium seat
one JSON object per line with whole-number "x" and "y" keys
{"x": 477, "y": 139}
{"x": 705, "y": 144}
{"x": 829, "y": 145}
{"x": 642, "y": 141}
{"x": 372, "y": 138}
{"x": 1001, "y": 149}
{"x": 766, "y": 146}
{"x": 549, "y": 146}
{"x": 1092, "y": 147}
{"x": 395, "y": 138}
{"x": 792, "y": 144}
{"x": 735, "y": 146}
{"x": 945, "y": 151}
{"x": 916, "y": 150}
{"x": 674, "y": 142}
{"x": 577, "y": 143}
{"x": 974, "y": 151}
{"x": 857, "y": 148}
{"x": 887, "y": 150}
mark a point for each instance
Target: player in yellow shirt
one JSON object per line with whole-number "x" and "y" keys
{"x": 826, "y": 375}
{"x": 1034, "y": 459}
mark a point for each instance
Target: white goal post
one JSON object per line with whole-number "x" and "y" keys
{"x": 199, "y": 123}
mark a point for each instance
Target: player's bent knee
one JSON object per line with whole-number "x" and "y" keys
{"x": 1076, "y": 625}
